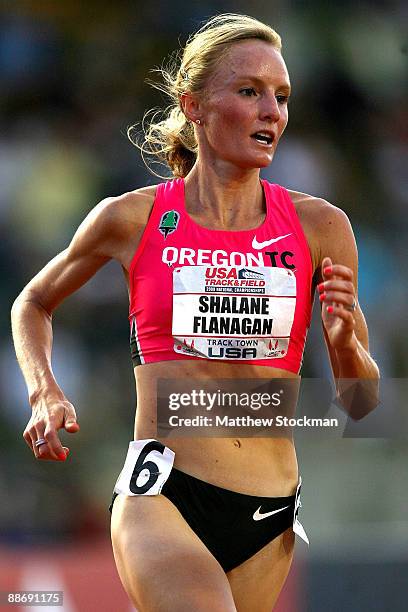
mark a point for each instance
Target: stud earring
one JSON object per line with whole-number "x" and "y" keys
{"x": 198, "y": 122}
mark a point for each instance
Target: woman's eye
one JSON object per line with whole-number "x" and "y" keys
{"x": 282, "y": 99}
{"x": 248, "y": 91}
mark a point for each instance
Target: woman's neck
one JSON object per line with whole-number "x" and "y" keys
{"x": 225, "y": 198}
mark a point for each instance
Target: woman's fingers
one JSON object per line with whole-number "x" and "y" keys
{"x": 343, "y": 313}
{"x": 337, "y": 271}
{"x": 40, "y": 444}
{"x": 337, "y": 289}
{"x": 53, "y": 448}
{"x": 346, "y": 299}
{"x": 35, "y": 433}
{"x": 46, "y": 444}
{"x": 336, "y": 285}
{"x": 28, "y": 440}
{"x": 41, "y": 433}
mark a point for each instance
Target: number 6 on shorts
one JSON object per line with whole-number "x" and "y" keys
{"x": 147, "y": 467}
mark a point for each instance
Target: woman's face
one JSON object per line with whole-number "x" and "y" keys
{"x": 245, "y": 107}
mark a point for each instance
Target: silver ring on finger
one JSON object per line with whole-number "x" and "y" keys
{"x": 40, "y": 441}
{"x": 351, "y": 307}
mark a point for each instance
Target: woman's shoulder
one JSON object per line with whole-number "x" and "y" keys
{"x": 318, "y": 213}
{"x": 314, "y": 206}
{"x": 323, "y": 223}
{"x": 121, "y": 215}
{"x": 116, "y": 223}
{"x": 132, "y": 207}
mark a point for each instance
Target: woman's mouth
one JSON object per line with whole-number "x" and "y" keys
{"x": 264, "y": 138}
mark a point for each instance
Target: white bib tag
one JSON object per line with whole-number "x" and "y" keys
{"x": 147, "y": 467}
{"x": 233, "y": 312}
{"x": 297, "y": 525}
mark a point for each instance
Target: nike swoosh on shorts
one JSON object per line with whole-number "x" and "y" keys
{"x": 257, "y": 516}
{"x": 262, "y": 245}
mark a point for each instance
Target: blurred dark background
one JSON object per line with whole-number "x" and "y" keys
{"x": 72, "y": 81}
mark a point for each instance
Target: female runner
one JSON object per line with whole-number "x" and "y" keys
{"x": 211, "y": 526}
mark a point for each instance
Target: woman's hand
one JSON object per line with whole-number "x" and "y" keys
{"x": 337, "y": 295}
{"x": 48, "y": 417}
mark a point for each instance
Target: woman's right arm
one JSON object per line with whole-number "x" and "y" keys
{"x": 110, "y": 231}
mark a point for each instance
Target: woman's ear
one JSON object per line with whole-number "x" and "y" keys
{"x": 191, "y": 107}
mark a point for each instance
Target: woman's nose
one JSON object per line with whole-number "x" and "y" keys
{"x": 270, "y": 109}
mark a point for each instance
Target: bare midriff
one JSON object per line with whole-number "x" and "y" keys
{"x": 254, "y": 466}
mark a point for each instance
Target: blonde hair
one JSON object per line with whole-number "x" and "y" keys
{"x": 167, "y": 134}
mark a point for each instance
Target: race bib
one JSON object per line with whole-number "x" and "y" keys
{"x": 297, "y": 525}
{"x": 147, "y": 467}
{"x": 233, "y": 312}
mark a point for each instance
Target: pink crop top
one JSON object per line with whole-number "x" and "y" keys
{"x": 240, "y": 296}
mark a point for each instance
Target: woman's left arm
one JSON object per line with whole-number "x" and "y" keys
{"x": 345, "y": 330}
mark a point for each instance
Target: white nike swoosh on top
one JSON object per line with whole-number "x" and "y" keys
{"x": 257, "y": 516}
{"x": 261, "y": 245}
